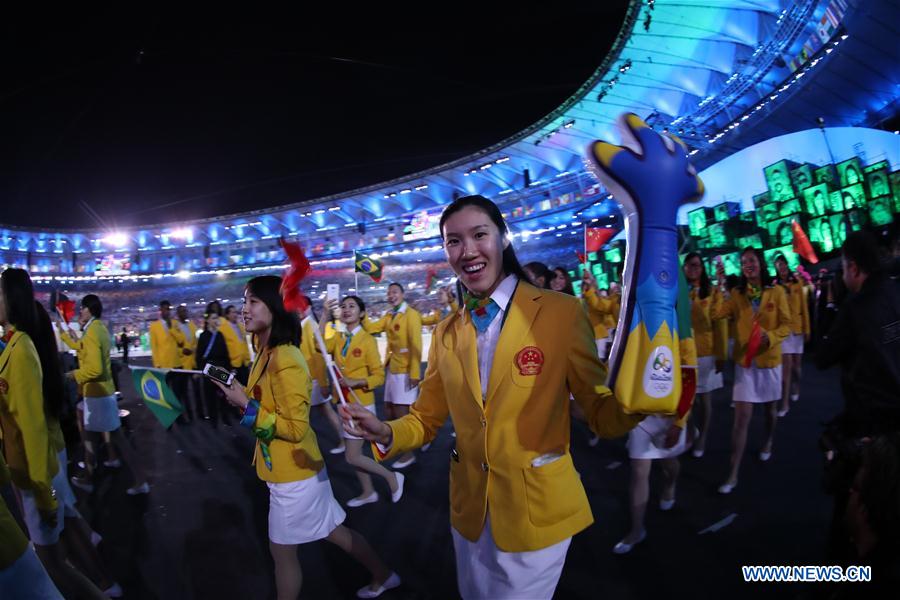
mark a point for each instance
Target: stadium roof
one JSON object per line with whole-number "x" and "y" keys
{"x": 722, "y": 74}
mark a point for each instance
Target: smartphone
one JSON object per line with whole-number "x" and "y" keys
{"x": 219, "y": 374}
{"x": 333, "y": 292}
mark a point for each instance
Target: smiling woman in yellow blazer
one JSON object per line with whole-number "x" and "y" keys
{"x": 319, "y": 397}
{"x": 356, "y": 356}
{"x": 449, "y": 305}
{"x": 502, "y": 370}
{"x": 275, "y": 405}
{"x": 749, "y": 304}
{"x": 792, "y": 346}
{"x": 403, "y": 361}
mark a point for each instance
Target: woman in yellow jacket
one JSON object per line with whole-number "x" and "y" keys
{"x": 101, "y": 409}
{"x": 403, "y": 361}
{"x": 792, "y": 346}
{"x": 711, "y": 340}
{"x": 275, "y": 405}
{"x": 752, "y": 304}
{"x": 503, "y": 369}
{"x": 449, "y": 305}
{"x": 28, "y": 445}
{"x": 356, "y": 356}
{"x": 320, "y": 398}
{"x": 599, "y": 309}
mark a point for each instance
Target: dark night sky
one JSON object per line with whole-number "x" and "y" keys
{"x": 160, "y": 115}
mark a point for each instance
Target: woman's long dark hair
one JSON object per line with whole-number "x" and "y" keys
{"x": 569, "y": 289}
{"x": 48, "y": 352}
{"x": 540, "y": 270}
{"x": 778, "y": 278}
{"x": 22, "y": 313}
{"x": 511, "y": 265}
{"x": 285, "y": 325}
{"x": 763, "y": 273}
{"x": 705, "y": 283}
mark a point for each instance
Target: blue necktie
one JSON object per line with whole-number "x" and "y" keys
{"x": 346, "y": 345}
{"x": 483, "y": 315}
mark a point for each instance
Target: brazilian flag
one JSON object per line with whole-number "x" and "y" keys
{"x": 160, "y": 399}
{"x": 367, "y": 265}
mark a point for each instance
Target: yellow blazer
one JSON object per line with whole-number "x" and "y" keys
{"x": 312, "y": 356}
{"x": 14, "y": 541}
{"x": 404, "y": 340}
{"x": 71, "y": 343}
{"x": 23, "y": 426}
{"x": 436, "y": 316}
{"x": 612, "y": 317}
{"x": 94, "y": 372}
{"x": 599, "y": 310}
{"x": 189, "y": 342}
{"x": 525, "y": 415}
{"x": 796, "y": 296}
{"x": 774, "y": 319}
{"x": 163, "y": 346}
{"x": 279, "y": 382}
{"x": 238, "y": 351}
{"x": 362, "y": 362}
{"x": 710, "y": 335}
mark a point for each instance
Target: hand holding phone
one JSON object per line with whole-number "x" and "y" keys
{"x": 219, "y": 374}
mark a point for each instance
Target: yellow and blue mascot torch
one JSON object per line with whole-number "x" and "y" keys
{"x": 650, "y": 177}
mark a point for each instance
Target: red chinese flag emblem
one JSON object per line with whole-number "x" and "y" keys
{"x": 802, "y": 245}
{"x": 596, "y": 237}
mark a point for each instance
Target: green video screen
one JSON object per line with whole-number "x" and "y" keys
{"x": 843, "y": 224}
{"x": 697, "y": 221}
{"x": 836, "y": 201}
{"x": 816, "y": 198}
{"x": 853, "y": 196}
{"x": 877, "y": 182}
{"x": 778, "y": 181}
{"x": 793, "y": 260}
{"x": 878, "y": 166}
{"x": 613, "y": 255}
{"x": 895, "y": 185}
{"x": 780, "y": 232}
{"x": 802, "y": 178}
{"x": 759, "y": 199}
{"x": 789, "y": 207}
{"x": 825, "y": 174}
{"x": 765, "y": 213}
{"x": 720, "y": 213}
{"x": 718, "y": 235}
{"x": 821, "y": 234}
{"x": 880, "y": 212}
{"x": 731, "y": 262}
{"x": 754, "y": 241}
{"x": 850, "y": 172}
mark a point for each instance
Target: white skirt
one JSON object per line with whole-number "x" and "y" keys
{"x": 317, "y": 398}
{"x": 397, "y": 389}
{"x": 707, "y": 378}
{"x": 303, "y": 511}
{"x": 756, "y": 385}
{"x": 347, "y": 436}
{"x": 101, "y": 414}
{"x": 64, "y": 493}
{"x": 792, "y": 344}
{"x": 602, "y": 344}
{"x": 648, "y": 438}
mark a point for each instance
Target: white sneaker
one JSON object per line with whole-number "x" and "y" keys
{"x": 405, "y": 463}
{"x": 112, "y": 464}
{"x": 395, "y": 496}
{"x": 360, "y": 501}
{"x": 624, "y": 548}
{"x": 795, "y": 397}
{"x": 137, "y": 490}
{"x": 666, "y": 504}
{"x": 426, "y": 447}
{"x": 595, "y": 439}
{"x": 96, "y": 538}
{"x": 727, "y": 488}
{"x": 337, "y": 450}
{"x": 114, "y": 591}
{"x": 391, "y": 582}
{"x": 82, "y": 483}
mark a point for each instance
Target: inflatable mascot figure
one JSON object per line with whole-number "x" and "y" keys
{"x": 650, "y": 178}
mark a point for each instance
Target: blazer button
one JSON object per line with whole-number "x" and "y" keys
{"x": 485, "y": 467}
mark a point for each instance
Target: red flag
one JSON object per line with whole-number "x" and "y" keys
{"x": 290, "y": 284}
{"x": 752, "y": 345}
{"x": 596, "y": 237}
{"x": 801, "y": 243}
{"x": 430, "y": 276}
{"x": 688, "y": 390}
{"x": 581, "y": 257}
{"x": 66, "y": 309}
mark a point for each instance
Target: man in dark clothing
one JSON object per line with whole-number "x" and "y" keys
{"x": 123, "y": 341}
{"x": 864, "y": 339}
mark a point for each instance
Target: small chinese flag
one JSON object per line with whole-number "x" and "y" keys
{"x": 753, "y": 345}
{"x": 596, "y": 237}
{"x": 802, "y": 245}
{"x": 299, "y": 268}
{"x": 581, "y": 257}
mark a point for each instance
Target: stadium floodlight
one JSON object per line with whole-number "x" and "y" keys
{"x": 185, "y": 233}
{"x": 116, "y": 239}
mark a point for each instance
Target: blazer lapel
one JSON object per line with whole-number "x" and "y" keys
{"x": 523, "y": 308}
{"x": 256, "y": 373}
{"x": 467, "y": 353}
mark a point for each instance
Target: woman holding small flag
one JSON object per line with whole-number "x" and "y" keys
{"x": 762, "y": 320}
{"x": 356, "y": 357}
{"x": 403, "y": 363}
{"x": 503, "y": 372}
{"x": 448, "y": 303}
{"x": 275, "y": 406}
{"x": 792, "y": 346}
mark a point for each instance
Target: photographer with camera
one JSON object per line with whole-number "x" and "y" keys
{"x": 864, "y": 339}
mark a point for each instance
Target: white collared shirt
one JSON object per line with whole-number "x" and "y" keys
{"x": 487, "y": 341}
{"x": 401, "y": 308}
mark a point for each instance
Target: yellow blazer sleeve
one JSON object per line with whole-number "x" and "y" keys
{"x": 290, "y": 388}
{"x": 720, "y": 339}
{"x": 154, "y": 345}
{"x": 597, "y": 302}
{"x": 414, "y": 331}
{"x": 90, "y": 361}
{"x": 432, "y": 318}
{"x": 376, "y": 326}
{"x": 722, "y": 308}
{"x": 426, "y": 416}
{"x": 804, "y": 310}
{"x": 585, "y": 374}
{"x": 783, "y": 328}
{"x": 454, "y": 306}
{"x": 373, "y": 365}
{"x": 26, "y": 407}
{"x": 176, "y": 332}
{"x": 68, "y": 341}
